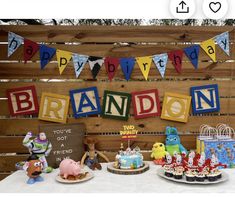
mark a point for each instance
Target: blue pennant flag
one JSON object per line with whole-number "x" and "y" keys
{"x": 46, "y": 54}
{"x": 79, "y": 62}
{"x": 14, "y": 42}
{"x": 223, "y": 41}
{"x": 161, "y": 62}
{"x": 192, "y": 53}
{"x": 127, "y": 65}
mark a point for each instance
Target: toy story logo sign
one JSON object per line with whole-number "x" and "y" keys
{"x": 129, "y": 132}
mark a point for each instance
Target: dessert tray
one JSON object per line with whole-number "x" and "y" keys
{"x": 81, "y": 178}
{"x": 224, "y": 177}
{"x": 114, "y": 170}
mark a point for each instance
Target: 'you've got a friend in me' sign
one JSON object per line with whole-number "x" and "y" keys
{"x": 66, "y": 140}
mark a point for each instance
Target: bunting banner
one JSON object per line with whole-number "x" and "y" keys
{"x": 209, "y": 47}
{"x": 144, "y": 64}
{"x": 223, "y": 41}
{"x": 79, "y": 62}
{"x": 161, "y": 62}
{"x": 127, "y": 65}
{"x": 176, "y": 58}
{"x": 95, "y": 65}
{"x": 111, "y": 65}
{"x": 46, "y": 54}
{"x": 14, "y": 42}
{"x": 192, "y": 53}
{"x": 63, "y": 58}
{"x": 30, "y": 49}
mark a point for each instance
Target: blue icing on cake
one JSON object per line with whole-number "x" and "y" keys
{"x": 129, "y": 159}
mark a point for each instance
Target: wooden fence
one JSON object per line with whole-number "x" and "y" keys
{"x": 112, "y": 41}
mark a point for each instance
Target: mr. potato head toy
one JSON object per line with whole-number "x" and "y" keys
{"x": 33, "y": 168}
{"x": 39, "y": 146}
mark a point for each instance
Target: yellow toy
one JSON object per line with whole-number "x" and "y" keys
{"x": 158, "y": 153}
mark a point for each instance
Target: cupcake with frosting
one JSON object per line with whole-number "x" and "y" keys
{"x": 200, "y": 177}
{"x": 190, "y": 176}
{"x": 178, "y": 174}
{"x": 212, "y": 176}
{"x": 168, "y": 166}
{"x": 168, "y": 170}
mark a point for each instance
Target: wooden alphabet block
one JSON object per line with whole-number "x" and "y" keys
{"x": 54, "y": 107}
{"x": 205, "y": 98}
{"x": 176, "y": 107}
{"x": 146, "y": 103}
{"x": 116, "y": 105}
{"x": 85, "y": 102}
{"x": 22, "y": 100}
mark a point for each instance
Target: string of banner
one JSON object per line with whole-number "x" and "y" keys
{"x": 111, "y": 63}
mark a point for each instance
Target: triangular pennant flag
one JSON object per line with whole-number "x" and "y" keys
{"x": 192, "y": 53}
{"x": 46, "y": 54}
{"x": 95, "y": 65}
{"x": 144, "y": 64}
{"x": 111, "y": 65}
{"x": 223, "y": 41}
{"x": 127, "y": 65}
{"x": 209, "y": 47}
{"x": 63, "y": 58}
{"x": 30, "y": 48}
{"x": 176, "y": 57}
{"x": 161, "y": 62}
{"x": 14, "y": 42}
{"x": 79, "y": 62}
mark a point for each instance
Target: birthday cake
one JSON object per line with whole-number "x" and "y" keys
{"x": 129, "y": 159}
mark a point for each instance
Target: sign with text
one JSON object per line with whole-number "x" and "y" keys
{"x": 129, "y": 132}
{"x": 66, "y": 140}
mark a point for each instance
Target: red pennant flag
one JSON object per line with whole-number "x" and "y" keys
{"x": 30, "y": 48}
{"x": 111, "y": 65}
{"x": 176, "y": 57}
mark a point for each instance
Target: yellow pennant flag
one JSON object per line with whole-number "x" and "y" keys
{"x": 63, "y": 58}
{"x": 144, "y": 64}
{"x": 209, "y": 47}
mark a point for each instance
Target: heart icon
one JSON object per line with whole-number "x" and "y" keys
{"x": 215, "y": 6}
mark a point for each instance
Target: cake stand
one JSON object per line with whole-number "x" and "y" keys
{"x": 114, "y": 170}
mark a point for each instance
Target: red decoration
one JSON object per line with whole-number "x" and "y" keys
{"x": 146, "y": 103}
{"x": 22, "y": 100}
{"x": 111, "y": 65}
{"x": 30, "y": 48}
{"x": 176, "y": 57}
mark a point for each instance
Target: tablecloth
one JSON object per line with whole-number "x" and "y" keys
{"x": 105, "y": 181}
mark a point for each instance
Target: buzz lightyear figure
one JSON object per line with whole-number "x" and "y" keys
{"x": 39, "y": 146}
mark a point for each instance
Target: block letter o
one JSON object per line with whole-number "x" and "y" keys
{"x": 169, "y": 105}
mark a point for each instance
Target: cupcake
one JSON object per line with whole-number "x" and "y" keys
{"x": 212, "y": 177}
{"x": 178, "y": 174}
{"x": 168, "y": 171}
{"x": 190, "y": 176}
{"x": 200, "y": 177}
{"x": 218, "y": 174}
{"x": 205, "y": 172}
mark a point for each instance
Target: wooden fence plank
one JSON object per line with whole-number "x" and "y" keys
{"x": 227, "y": 106}
{"x": 226, "y": 87}
{"x": 105, "y": 143}
{"x": 3, "y": 175}
{"x": 7, "y": 162}
{"x": 114, "y": 33}
{"x": 105, "y": 50}
{"x": 32, "y": 71}
{"x": 98, "y": 125}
